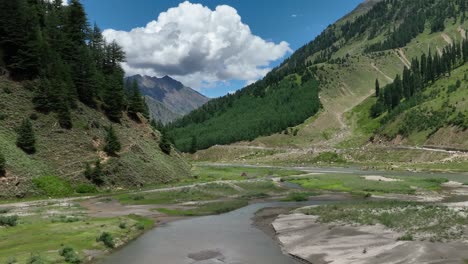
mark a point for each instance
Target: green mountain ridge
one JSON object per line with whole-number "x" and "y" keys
{"x": 347, "y": 58}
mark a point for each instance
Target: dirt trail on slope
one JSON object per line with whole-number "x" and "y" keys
{"x": 462, "y": 32}
{"x": 401, "y": 55}
{"x": 381, "y": 72}
{"x": 447, "y": 38}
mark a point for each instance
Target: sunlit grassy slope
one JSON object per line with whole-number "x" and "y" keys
{"x": 346, "y": 92}
{"x": 64, "y": 153}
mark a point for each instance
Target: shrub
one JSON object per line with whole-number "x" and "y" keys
{"x": 329, "y": 157}
{"x": 5, "y": 210}
{"x": 53, "y": 186}
{"x": 107, "y": 239}
{"x": 140, "y": 226}
{"x": 65, "y": 219}
{"x": 406, "y": 237}
{"x": 138, "y": 197}
{"x": 2, "y": 165}
{"x": 35, "y": 259}
{"x": 165, "y": 144}
{"x": 112, "y": 142}
{"x": 70, "y": 255}
{"x": 33, "y": 116}
{"x": 123, "y": 225}
{"x": 297, "y": 197}
{"x": 9, "y": 220}
{"x": 11, "y": 260}
{"x": 95, "y": 175}
{"x": 86, "y": 188}
{"x": 26, "y": 139}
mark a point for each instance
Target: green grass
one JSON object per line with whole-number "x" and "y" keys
{"x": 362, "y": 124}
{"x": 261, "y": 187}
{"x": 203, "y": 173}
{"x": 38, "y": 235}
{"x": 357, "y": 184}
{"x": 53, "y": 186}
{"x": 328, "y": 157}
{"x": 206, "y": 208}
{"x": 167, "y": 197}
{"x": 423, "y": 220}
{"x": 207, "y": 192}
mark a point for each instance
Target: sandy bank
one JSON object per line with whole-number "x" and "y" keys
{"x": 303, "y": 237}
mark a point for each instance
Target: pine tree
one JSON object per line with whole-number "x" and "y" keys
{"x": 193, "y": 145}
{"x": 112, "y": 142}
{"x": 377, "y": 88}
{"x": 165, "y": 144}
{"x": 88, "y": 173}
{"x": 2, "y": 165}
{"x": 114, "y": 96}
{"x": 64, "y": 116}
{"x": 26, "y": 139}
{"x": 136, "y": 102}
{"x": 95, "y": 175}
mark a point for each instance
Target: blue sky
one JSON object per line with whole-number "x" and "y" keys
{"x": 295, "y": 22}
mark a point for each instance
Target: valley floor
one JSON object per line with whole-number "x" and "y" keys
{"x": 45, "y": 227}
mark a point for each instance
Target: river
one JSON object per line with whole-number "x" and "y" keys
{"x": 229, "y": 238}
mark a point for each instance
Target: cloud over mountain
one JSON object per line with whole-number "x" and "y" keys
{"x": 198, "y": 46}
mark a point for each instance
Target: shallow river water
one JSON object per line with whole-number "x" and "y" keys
{"x": 228, "y": 238}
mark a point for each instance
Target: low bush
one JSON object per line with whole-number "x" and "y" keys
{"x": 70, "y": 255}
{"x": 107, "y": 239}
{"x": 329, "y": 157}
{"x": 9, "y": 220}
{"x": 297, "y": 197}
{"x": 35, "y": 259}
{"x": 406, "y": 237}
{"x": 86, "y": 188}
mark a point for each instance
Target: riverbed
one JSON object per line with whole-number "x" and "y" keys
{"x": 229, "y": 238}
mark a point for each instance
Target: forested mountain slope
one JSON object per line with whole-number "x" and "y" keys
{"x": 376, "y": 41}
{"x": 67, "y": 124}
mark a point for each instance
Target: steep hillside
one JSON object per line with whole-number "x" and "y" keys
{"x": 376, "y": 41}
{"x": 159, "y": 112}
{"x": 175, "y": 99}
{"x": 266, "y": 107}
{"x": 64, "y": 153}
{"x": 67, "y": 125}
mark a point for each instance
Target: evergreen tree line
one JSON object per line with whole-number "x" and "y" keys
{"x": 414, "y": 15}
{"x": 63, "y": 59}
{"x": 411, "y": 16}
{"x": 254, "y": 111}
{"x": 414, "y": 80}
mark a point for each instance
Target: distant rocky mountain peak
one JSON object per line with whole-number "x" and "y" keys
{"x": 167, "y": 98}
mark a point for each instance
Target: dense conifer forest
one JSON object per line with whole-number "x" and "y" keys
{"x": 260, "y": 109}
{"x": 62, "y": 59}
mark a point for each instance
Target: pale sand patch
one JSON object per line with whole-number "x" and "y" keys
{"x": 302, "y": 236}
{"x": 453, "y": 184}
{"x": 380, "y": 178}
{"x": 420, "y": 197}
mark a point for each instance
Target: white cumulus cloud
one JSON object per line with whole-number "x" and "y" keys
{"x": 197, "y": 46}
